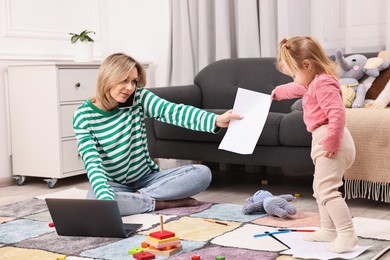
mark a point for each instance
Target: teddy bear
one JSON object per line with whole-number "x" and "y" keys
{"x": 351, "y": 70}
{"x": 264, "y": 202}
{"x": 378, "y": 93}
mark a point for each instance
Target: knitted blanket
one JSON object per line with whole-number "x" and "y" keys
{"x": 369, "y": 176}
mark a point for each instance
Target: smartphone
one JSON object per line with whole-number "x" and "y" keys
{"x": 129, "y": 102}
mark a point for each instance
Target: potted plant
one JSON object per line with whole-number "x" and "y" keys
{"x": 83, "y": 46}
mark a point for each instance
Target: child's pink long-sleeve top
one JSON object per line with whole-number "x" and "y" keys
{"x": 322, "y": 104}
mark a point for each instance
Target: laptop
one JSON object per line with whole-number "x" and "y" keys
{"x": 87, "y": 217}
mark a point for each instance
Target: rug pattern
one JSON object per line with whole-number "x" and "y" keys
{"x": 25, "y": 234}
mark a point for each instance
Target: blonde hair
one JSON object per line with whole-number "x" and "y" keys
{"x": 115, "y": 69}
{"x": 293, "y": 51}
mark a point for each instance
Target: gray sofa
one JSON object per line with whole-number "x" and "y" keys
{"x": 284, "y": 141}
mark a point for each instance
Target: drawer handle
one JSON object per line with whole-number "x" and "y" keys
{"x": 78, "y": 85}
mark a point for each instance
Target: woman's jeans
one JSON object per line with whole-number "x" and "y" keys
{"x": 171, "y": 184}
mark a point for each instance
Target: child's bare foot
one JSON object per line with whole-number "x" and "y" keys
{"x": 187, "y": 202}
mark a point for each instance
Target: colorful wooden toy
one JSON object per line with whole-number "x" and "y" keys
{"x": 195, "y": 257}
{"x": 61, "y": 257}
{"x": 144, "y": 256}
{"x": 162, "y": 243}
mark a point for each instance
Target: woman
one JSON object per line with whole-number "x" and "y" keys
{"x": 112, "y": 141}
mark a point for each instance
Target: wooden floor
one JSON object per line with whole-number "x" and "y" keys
{"x": 232, "y": 186}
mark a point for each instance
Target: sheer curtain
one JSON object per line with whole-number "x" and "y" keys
{"x": 203, "y": 31}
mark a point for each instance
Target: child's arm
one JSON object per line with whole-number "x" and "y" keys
{"x": 288, "y": 91}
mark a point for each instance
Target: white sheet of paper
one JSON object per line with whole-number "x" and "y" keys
{"x": 242, "y": 135}
{"x": 314, "y": 250}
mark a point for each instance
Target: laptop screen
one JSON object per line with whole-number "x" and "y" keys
{"x": 86, "y": 217}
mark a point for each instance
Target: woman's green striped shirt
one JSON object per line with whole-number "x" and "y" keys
{"x": 113, "y": 144}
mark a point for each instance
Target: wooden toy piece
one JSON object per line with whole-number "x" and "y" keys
{"x": 195, "y": 257}
{"x": 51, "y": 224}
{"x": 160, "y": 243}
{"x": 144, "y": 244}
{"x": 154, "y": 241}
{"x": 144, "y": 256}
{"x": 61, "y": 257}
{"x": 135, "y": 250}
{"x": 219, "y": 257}
{"x": 164, "y": 252}
{"x": 163, "y": 245}
{"x": 162, "y": 234}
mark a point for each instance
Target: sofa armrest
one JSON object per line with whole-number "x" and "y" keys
{"x": 188, "y": 94}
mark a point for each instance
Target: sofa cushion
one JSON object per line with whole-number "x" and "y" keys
{"x": 269, "y": 136}
{"x": 293, "y": 130}
{"x": 220, "y": 80}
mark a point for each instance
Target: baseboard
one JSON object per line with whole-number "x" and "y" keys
{"x": 6, "y": 181}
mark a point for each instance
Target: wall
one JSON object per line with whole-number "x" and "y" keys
{"x": 38, "y": 30}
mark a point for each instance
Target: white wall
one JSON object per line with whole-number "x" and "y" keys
{"x": 38, "y": 30}
{"x": 141, "y": 29}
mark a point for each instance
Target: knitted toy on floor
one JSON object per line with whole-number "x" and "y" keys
{"x": 264, "y": 202}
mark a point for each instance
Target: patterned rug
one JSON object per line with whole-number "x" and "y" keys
{"x": 25, "y": 234}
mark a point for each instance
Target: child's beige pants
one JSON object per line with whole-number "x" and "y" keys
{"x": 328, "y": 178}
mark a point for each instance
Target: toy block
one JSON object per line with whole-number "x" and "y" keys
{"x": 61, "y": 257}
{"x": 164, "y": 252}
{"x": 162, "y": 234}
{"x": 162, "y": 245}
{"x": 195, "y": 257}
{"x": 51, "y": 224}
{"x": 144, "y": 256}
{"x": 135, "y": 250}
{"x": 144, "y": 244}
{"x": 161, "y": 241}
{"x": 219, "y": 257}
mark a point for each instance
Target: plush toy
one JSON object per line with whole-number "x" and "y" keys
{"x": 351, "y": 70}
{"x": 264, "y": 202}
{"x": 378, "y": 93}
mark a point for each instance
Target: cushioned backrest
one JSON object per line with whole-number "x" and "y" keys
{"x": 219, "y": 81}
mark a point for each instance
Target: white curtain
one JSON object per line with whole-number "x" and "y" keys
{"x": 203, "y": 31}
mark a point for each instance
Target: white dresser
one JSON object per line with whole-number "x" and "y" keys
{"x": 42, "y": 99}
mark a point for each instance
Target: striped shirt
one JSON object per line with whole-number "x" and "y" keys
{"x": 113, "y": 145}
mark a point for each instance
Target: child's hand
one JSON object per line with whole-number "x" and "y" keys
{"x": 329, "y": 154}
{"x": 224, "y": 119}
{"x": 273, "y": 95}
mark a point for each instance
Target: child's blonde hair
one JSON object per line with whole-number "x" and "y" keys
{"x": 115, "y": 69}
{"x": 293, "y": 51}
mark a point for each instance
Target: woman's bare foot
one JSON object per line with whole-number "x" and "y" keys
{"x": 187, "y": 202}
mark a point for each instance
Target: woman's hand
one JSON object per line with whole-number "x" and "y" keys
{"x": 224, "y": 119}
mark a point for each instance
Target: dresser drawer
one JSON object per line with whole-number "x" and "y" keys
{"x": 67, "y": 112}
{"x": 71, "y": 161}
{"x": 77, "y": 84}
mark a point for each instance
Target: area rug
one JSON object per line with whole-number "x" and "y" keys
{"x": 25, "y": 234}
